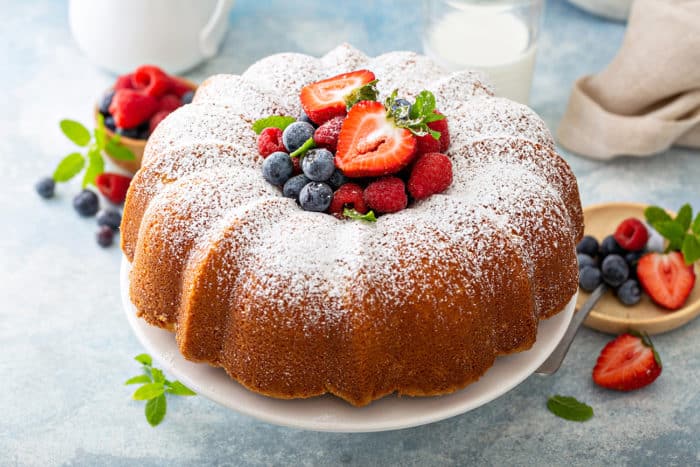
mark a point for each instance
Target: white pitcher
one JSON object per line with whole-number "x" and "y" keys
{"x": 120, "y": 35}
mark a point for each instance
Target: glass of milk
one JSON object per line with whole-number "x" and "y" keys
{"x": 496, "y": 37}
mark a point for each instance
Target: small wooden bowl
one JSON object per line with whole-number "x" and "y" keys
{"x": 137, "y": 146}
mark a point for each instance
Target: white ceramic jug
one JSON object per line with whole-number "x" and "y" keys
{"x": 120, "y": 35}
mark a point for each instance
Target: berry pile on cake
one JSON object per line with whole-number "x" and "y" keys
{"x": 296, "y": 303}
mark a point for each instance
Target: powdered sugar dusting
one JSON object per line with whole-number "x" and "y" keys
{"x": 406, "y": 71}
{"x": 458, "y": 87}
{"x": 343, "y": 59}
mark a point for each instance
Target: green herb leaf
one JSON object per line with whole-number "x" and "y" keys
{"x": 273, "y": 121}
{"x": 691, "y": 249}
{"x": 308, "y": 144}
{"x": 96, "y": 165}
{"x": 424, "y": 105}
{"x": 149, "y": 391}
{"x": 138, "y": 380}
{"x": 100, "y": 133}
{"x": 69, "y": 167}
{"x": 76, "y": 132}
{"x": 179, "y": 389}
{"x": 696, "y": 225}
{"x": 416, "y": 120}
{"x": 118, "y": 151}
{"x": 144, "y": 359}
{"x": 353, "y": 214}
{"x": 685, "y": 216}
{"x": 655, "y": 214}
{"x": 158, "y": 376}
{"x": 368, "y": 92}
{"x": 673, "y": 232}
{"x": 569, "y": 408}
{"x": 155, "y": 410}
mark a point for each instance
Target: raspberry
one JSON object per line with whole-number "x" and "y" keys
{"x": 131, "y": 108}
{"x": 156, "y": 119}
{"x": 348, "y": 195}
{"x": 296, "y": 163}
{"x": 179, "y": 87}
{"x": 169, "y": 102}
{"x": 113, "y": 186}
{"x": 151, "y": 81}
{"x": 269, "y": 141}
{"x": 326, "y": 136}
{"x": 631, "y": 234}
{"x": 431, "y": 173}
{"x": 388, "y": 194}
{"x": 124, "y": 82}
{"x": 428, "y": 144}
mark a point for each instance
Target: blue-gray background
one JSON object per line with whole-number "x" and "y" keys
{"x": 66, "y": 346}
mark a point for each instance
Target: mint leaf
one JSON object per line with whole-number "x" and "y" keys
{"x": 75, "y": 131}
{"x": 696, "y": 225}
{"x": 673, "y": 232}
{"x": 368, "y": 92}
{"x": 138, "y": 380}
{"x": 655, "y": 214}
{"x": 273, "y": 121}
{"x": 148, "y": 391}
{"x": 353, "y": 214}
{"x": 691, "y": 249}
{"x": 179, "y": 389}
{"x": 421, "y": 113}
{"x": 685, "y": 216}
{"x": 118, "y": 151}
{"x": 155, "y": 410}
{"x": 96, "y": 165}
{"x": 308, "y": 144}
{"x": 69, "y": 167}
{"x": 100, "y": 133}
{"x": 569, "y": 408}
{"x": 158, "y": 376}
{"x": 144, "y": 359}
{"x": 424, "y": 105}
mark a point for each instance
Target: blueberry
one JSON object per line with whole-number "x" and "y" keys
{"x": 133, "y": 133}
{"x": 338, "y": 179}
{"x": 316, "y": 196}
{"x": 109, "y": 123}
{"x": 109, "y": 217}
{"x": 318, "y": 165}
{"x": 629, "y": 292}
{"x": 584, "y": 260}
{"x": 294, "y": 185}
{"x": 398, "y": 104}
{"x": 305, "y": 118}
{"x": 105, "y": 236}
{"x": 610, "y": 246}
{"x": 615, "y": 270}
{"x": 86, "y": 203}
{"x": 296, "y": 134}
{"x": 105, "y": 102}
{"x": 187, "y": 97}
{"x": 589, "y": 278}
{"x": 45, "y": 187}
{"x": 277, "y": 168}
{"x": 588, "y": 246}
{"x": 632, "y": 258}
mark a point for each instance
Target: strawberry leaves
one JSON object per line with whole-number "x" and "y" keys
{"x": 368, "y": 92}
{"x": 682, "y": 232}
{"x": 416, "y": 117}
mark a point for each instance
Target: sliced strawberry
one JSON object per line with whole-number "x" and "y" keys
{"x": 666, "y": 278}
{"x": 631, "y": 234}
{"x": 371, "y": 145}
{"x": 113, "y": 186}
{"x": 628, "y": 362}
{"x": 131, "y": 108}
{"x": 325, "y": 99}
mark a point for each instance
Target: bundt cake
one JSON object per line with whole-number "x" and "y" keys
{"x": 295, "y": 304}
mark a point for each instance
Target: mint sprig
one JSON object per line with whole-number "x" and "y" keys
{"x": 308, "y": 144}
{"x": 682, "y": 232}
{"x": 368, "y": 92}
{"x": 354, "y": 214}
{"x": 273, "y": 121}
{"x": 154, "y": 387}
{"x": 415, "y": 118}
{"x": 569, "y": 408}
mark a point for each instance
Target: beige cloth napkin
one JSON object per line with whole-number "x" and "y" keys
{"x": 648, "y": 98}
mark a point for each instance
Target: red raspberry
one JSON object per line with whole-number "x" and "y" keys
{"x": 431, "y": 173}
{"x": 631, "y": 234}
{"x": 113, "y": 186}
{"x": 326, "y": 136}
{"x": 124, "y": 82}
{"x": 179, "y": 87}
{"x": 388, "y": 194}
{"x": 269, "y": 141}
{"x": 296, "y": 163}
{"x": 156, "y": 119}
{"x": 151, "y": 81}
{"x": 131, "y": 108}
{"x": 169, "y": 102}
{"x": 427, "y": 143}
{"x": 348, "y": 195}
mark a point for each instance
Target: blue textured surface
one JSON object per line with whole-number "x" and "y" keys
{"x": 66, "y": 347}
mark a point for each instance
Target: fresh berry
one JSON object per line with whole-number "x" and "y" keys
{"x": 585, "y": 260}
{"x": 386, "y": 195}
{"x": 615, "y": 270}
{"x": 45, "y": 187}
{"x": 130, "y": 108}
{"x": 106, "y": 101}
{"x": 656, "y": 242}
{"x": 589, "y": 278}
{"x": 296, "y": 134}
{"x": 86, "y": 203}
{"x": 179, "y": 88}
{"x": 315, "y": 196}
{"x": 169, "y": 102}
{"x": 610, "y": 246}
{"x": 338, "y": 179}
{"x": 325, "y": 99}
{"x": 109, "y": 217}
{"x": 155, "y": 120}
{"x": 431, "y": 173}
{"x": 277, "y": 168}
{"x": 124, "y": 82}
{"x": 370, "y": 145}
{"x": 187, "y": 98}
{"x": 305, "y": 118}
{"x": 588, "y": 246}
{"x": 349, "y": 195}
{"x": 318, "y": 165}
{"x": 109, "y": 123}
{"x": 442, "y": 127}
{"x": 133, "y": 133}
{"x": 629, "y": 292}
{"x": 105, "y": 236}
{"x": 427, "y": 144}
{"x": 628, "y": 362}
{"x": 631, "y": 234}
{"x": 269, "y": 141}
{"x": 151, "y": 81}
{"x": 326, "y": 135}
{"x": 666, "y": 278}
{"x": 632, "y": 258}
{"x": 296, "y": 162}
{"x": 113, "y": 186}
{"x": 398, "y": 103}
{"x": 293, "y": 186}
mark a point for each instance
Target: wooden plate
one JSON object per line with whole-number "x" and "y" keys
{"x": 611, "y": 316}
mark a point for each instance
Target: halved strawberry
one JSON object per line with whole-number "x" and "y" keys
{"x": 628, "y": 362}
{"x": 370, "y": 144}
{"x": 325, "y": 99}
{"x": 666, "y": 278}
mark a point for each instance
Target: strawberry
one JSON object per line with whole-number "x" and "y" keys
{"x": 666, "y": 278}
{"x": 169, "y": 102}
{"x": 156, "y": 119}
{"x": 151, "y": 80}
{"x": 113, "y": 186}
{"x": 628, "y": 362}
{"x": 131, "y": 108}
{"x": 325, "y": 99}
{"x": 631, "y": 234}
{"x": 370, "y": 144}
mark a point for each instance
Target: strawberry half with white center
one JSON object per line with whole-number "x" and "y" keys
{"x": 326, "y": 99}
{"x": 666, "y": 278}
{"x": 629, "y": 362}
